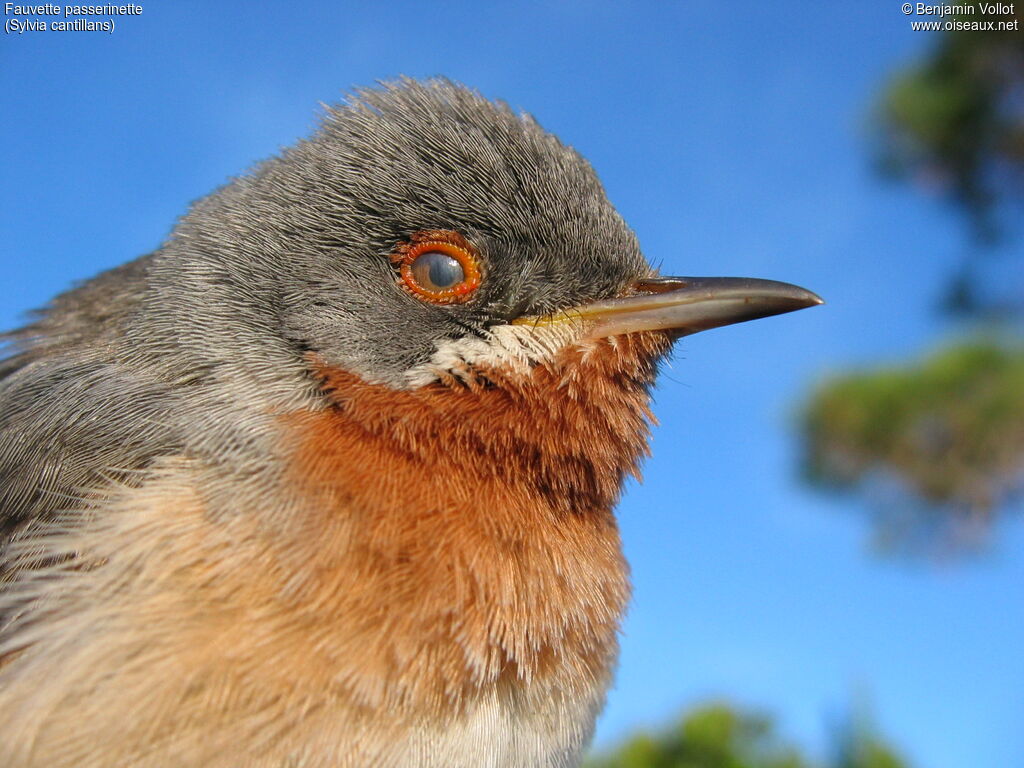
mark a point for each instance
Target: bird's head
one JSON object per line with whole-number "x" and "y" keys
{"x": 425, "y": 234}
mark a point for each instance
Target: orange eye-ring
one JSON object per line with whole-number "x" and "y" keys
{"x": 438, "y": 266}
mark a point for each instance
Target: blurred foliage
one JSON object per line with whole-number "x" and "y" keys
{"x": 858, "y": 745}
{"x": 956, "y": 120}
{"x": 938, "y": 444}
{"x": 720, "y": 736}
{"x": 949, "y": 430}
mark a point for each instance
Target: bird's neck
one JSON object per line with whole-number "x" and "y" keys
{"x": 469, "y": 524}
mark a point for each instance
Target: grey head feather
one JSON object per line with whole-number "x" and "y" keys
{"x": 299, "y": 249}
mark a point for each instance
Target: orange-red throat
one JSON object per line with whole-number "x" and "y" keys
{"x": 475, "y": 534}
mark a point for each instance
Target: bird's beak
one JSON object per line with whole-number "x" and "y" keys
{"x": 684, "y": 305}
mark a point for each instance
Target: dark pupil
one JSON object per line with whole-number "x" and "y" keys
{"x": 437, "y": 271}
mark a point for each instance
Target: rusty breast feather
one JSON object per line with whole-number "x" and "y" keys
{"x": 468, "y": 524}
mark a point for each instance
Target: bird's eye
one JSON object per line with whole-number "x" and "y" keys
{"x": 437, "y": 271}
{"x": 438, "y": 266}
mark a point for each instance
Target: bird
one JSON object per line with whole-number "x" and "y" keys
{"x": 329, "y": 477}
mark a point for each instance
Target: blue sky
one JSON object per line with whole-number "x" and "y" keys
{"x": 734, "y": 138}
